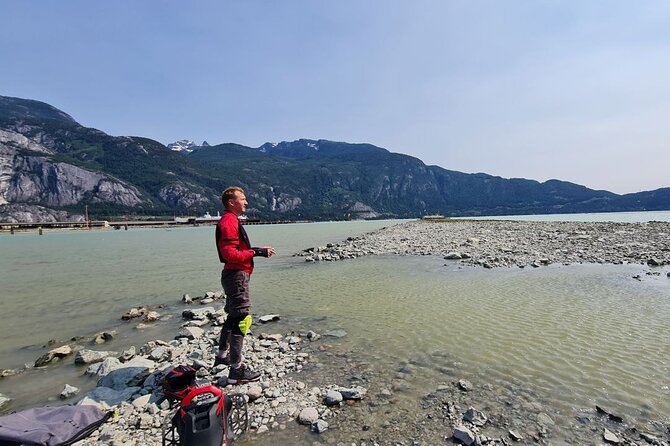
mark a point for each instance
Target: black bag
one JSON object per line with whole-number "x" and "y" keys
{"x": 206, "y": 417}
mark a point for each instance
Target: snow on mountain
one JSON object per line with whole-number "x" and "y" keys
{"x": 184, "y": 145}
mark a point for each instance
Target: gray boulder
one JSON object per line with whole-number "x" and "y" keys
{"x": 190, "y": 333}
{"x": 85, "y": 356}
{"x": 112, "y": 397}
{"x": 120, "y": 378}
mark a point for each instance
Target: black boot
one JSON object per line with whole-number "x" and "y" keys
{"x": 242, "y": 375}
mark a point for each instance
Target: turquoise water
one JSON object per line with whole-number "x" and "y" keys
{"x": 575, "y": 335}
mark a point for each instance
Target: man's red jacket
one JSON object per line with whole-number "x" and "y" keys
{"x": 233, "y": 244}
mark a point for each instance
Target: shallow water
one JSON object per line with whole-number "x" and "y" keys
{"x": 572, "y": 336}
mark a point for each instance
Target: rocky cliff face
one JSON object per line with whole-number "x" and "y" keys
{"x": 29, "y": 178}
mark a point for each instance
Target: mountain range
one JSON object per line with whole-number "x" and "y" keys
{"x": 51, "y": 167}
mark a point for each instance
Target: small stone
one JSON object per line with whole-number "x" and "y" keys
{"x": 186, "y": 299}
{"x": 464, "y": 385}
{"x": 263, "y": 429}
{"x": 68, "y": 392}
{"x": 654, "y": 262}
{"x": 319, "y": 426}
{"x": 475, "y": 417}
{"x": 354, "y": 393}
{"x": 308, "y": 415}
{"x": 610, "y": 437}
{"x": 52, "y": 355}
{"x": 152, "y": 316}
{"x": 464, "y": 435}
{"x": 254, "y": 392}
{"x": 453, "y": 256}
{"x": 333, "y": 398}
{"x": 515, "y": 436}
{"x": 269, "y": 318}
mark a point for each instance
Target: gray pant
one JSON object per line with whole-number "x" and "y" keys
{"x": 236, "y": 286}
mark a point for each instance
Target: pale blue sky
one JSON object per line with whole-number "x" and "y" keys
{"x": 574, "y": 90}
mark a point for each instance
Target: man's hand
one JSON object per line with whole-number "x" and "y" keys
{"x": 264, "y": 251}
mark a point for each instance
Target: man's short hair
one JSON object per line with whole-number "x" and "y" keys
{"x": 229, "y": 194}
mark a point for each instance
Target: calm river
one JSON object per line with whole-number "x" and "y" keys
{"x": 573, "y": 336}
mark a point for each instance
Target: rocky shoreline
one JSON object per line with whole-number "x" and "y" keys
{"x": 498, "y": 243}
{"x": 336, "y": 393}
{"x": 131, "y": 382}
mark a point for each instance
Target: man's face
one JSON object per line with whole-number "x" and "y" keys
{"x": 238, "y": 205}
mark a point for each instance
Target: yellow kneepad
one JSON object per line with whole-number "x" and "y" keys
{"x": 245, "y": 324}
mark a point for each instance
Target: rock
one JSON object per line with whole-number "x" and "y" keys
{"x": 354, "y": 393}
{"x": 128, "y": 354}
{"x": 475, "y": 417}
{"x": 198, "y": 313}
{"x": 186, "y": 299}
{"x": 206, "y": 301}
{"x": 4, "y": 401}
{"x": 464, "y": 385}
{"x": 609, "y": 414}
{"x": 339, "y": 333}
{"x": 308, "y": 415}
{"x": 333, "y": 398}
{"x": 464, "y": 435}
{"x": 263, "y": 429}
{"x": 152, "y": 316}
{"x": 68, "y": 392}
{"x": 122, "y": 377}
{"x": 160, "y": 353}
{"x": 453, "y": 256}
{"x": 514, "y": 436}
{"x": 545, "y": 420}
{"x": 654, "y": 262}
{"x": 84, "y": 357}
{"x": 269, "y": 318}
{"x": 319, "y": 426}
{"x": 141, "y": 402}
{"x": 254, "y": 392}
{"x": 312, "y": 336}
{"x": 56, "y": 353}
{"x": 4, "y": 373}
{"x": 610, "y": 437}
{"x": 111, "y": 397}
{"x": 101, "y": 338}
{"x": 134, "y": 313}
{"x": 104, "y": 367}
{"x": 190, "y": 333}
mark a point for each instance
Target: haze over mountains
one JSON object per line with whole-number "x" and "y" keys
{"x": 51, "y": 167}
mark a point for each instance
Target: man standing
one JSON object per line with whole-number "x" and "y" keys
{"x": 235, "y": 251}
